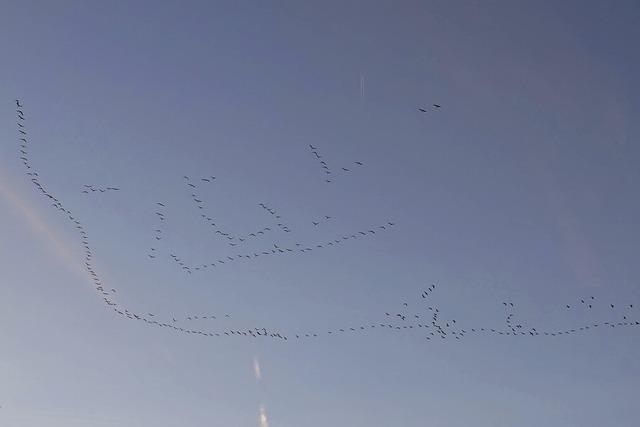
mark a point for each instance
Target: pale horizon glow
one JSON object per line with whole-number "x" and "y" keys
{"x": 59, "y": 248}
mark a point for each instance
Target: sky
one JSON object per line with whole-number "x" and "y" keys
{"x": 521, "y": 188}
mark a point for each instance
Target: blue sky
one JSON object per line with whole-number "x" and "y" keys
{"x": 521, "y": 188}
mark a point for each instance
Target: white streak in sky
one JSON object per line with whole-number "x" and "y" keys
{"x": 361, "y": 87}
{"x": 263, "y": 417}
{"x": 256, "y": 368}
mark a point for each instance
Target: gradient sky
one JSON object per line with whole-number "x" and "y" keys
{"x": 523, "y": 187}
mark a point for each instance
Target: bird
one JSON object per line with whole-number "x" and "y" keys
{"x": 422, "y": 110}
{"x": 358, "y": 163}
{"x": 312, "y": 147}
{"x": 437, "y": 106}
{"x": 18, "y": 103}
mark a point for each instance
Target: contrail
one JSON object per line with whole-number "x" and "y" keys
{"x": 361, "y": 87}
{"x": 256, "y": 368}
{"x": 263, "y": 417}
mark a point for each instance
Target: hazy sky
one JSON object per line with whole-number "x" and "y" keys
{"x": 523, "y": 187}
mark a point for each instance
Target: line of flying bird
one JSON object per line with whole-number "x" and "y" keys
{"x": 328, "y": 173}
{"x": 233, "y": 240}
{"x": 97, "y": 189}
{"x": 428, "y": 317}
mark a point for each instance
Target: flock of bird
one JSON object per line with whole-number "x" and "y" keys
{"x": 436, "y": 106}
{"x": 205, "y": 215}
{"x": 328, "y": 173}
{"x": 423, "y": 315}
{"x": 270, "y": 250}
{"x": 93, "y": 189}
{"x": 277, "y": 224}
{"x": 275, "y": 249}
{"x": 427, "y": 317}
{"x": 321, "y": 220}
